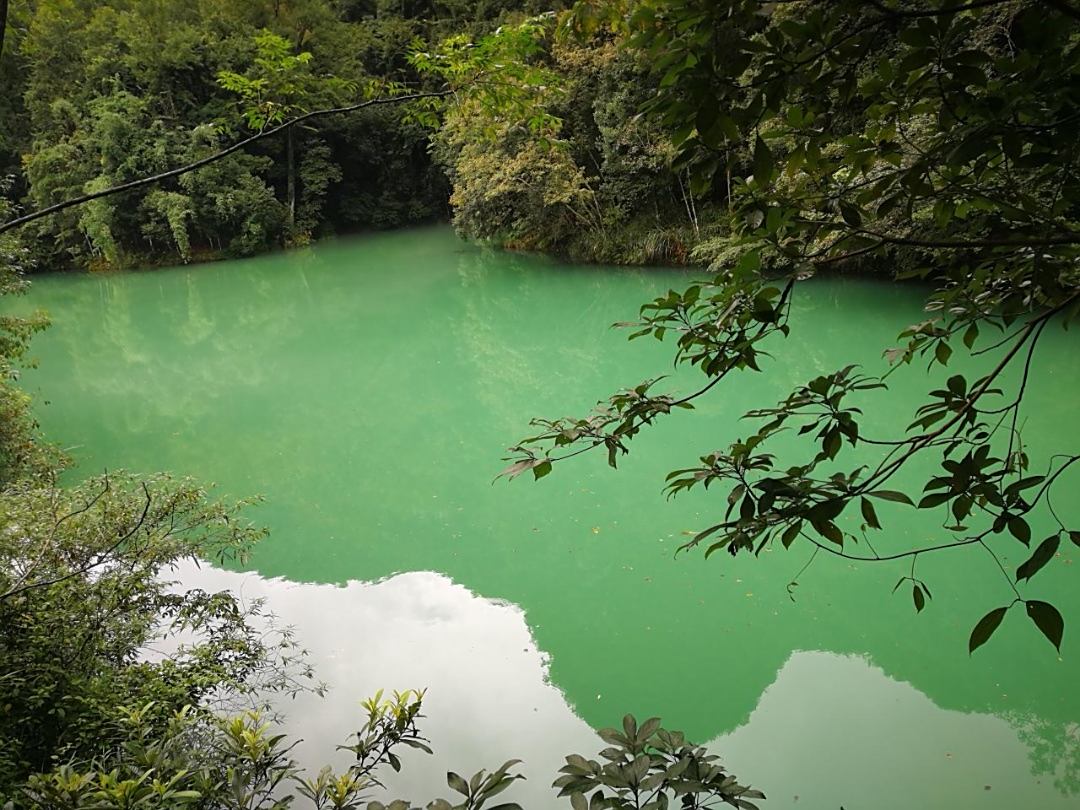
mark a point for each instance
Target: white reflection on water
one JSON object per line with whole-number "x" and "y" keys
{"x": 488, "y": 696}
{"x": 830, "y": 731}
{"x": 836, "y": 731}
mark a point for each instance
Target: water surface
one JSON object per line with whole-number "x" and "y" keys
{"x": 368, "y": 389}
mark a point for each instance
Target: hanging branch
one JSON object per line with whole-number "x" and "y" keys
{"x": 198, "y": 164}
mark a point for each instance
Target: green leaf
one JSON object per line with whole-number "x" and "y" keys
{"x": 457, "y": 783}
{"x": 971, "y": 335}
{"x": 830, "y": 531}
{"x": 850, "y": 214}
{"x": 918, "y": 597}
{"x": 934, "y": 499}
{"x": 868, "y": 513}
{"x": 891, "y": 495}
{"x": 985, "y": 628}
{"x": 790, "y": 533}
{"x": 749, "y": 262}
{"x": 943, "y": 351}
{"x": 1048, "y": 620}
{"x": 541, "y": 469}
{"x": 1019, "y": 528}
{"x": 916, "y": 37}
{"x": 764, "y": 163}
{"x": 1043, "y": 554}
{"x": 1075, "y": 537}
{"x": 648, "y": 728}
{"x": 830, "y": 446}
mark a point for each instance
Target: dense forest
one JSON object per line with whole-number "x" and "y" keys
{"x": 95, "y": 95}
{"x": 766, "y": 141}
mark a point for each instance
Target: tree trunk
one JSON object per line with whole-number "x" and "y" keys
{"x": 3, "y": 23}
{"x": 290, "y": 187}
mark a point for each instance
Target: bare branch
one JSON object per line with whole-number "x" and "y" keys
{"x": 198, "y": 164}
{"x": 97, "y": 560}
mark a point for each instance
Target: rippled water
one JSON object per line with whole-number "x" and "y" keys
{"x": 368, "y": 387}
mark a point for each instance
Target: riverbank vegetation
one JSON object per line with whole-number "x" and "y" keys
{"x": 97, "y": 94}
{"x": 767, "y": 141}
{"x": 935, "y": 140}
{"x": 121, "y": 688}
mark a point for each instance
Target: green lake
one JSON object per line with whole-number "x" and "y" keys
{"x": 368, "y": 389}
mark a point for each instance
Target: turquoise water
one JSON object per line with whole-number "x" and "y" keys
{"x": 367, "y": 388}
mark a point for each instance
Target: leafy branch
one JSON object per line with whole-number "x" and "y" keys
{"x": 897, "y": 144}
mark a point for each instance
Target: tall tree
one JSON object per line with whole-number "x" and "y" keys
{"x": 278, "y": 86}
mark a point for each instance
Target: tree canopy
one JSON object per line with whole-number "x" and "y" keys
{"x": 934, "y": 141}
{"x": 99, "y": 95}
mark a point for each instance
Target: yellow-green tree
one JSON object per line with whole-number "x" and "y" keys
{"x": 279, "y": 85}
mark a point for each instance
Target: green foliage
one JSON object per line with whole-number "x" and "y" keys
{"x": 241, "y": 763}
{"x": 233, "y": 763}
{"x": 278, "y": 84}
{"x": 650, "y": 768}
{"x": 935, "y": 138}
{"x": 21, "y": 454}
{"x": 93, "y": 94}
{"x": 277, "y": 87}
{"x": 82, "y": 595}
{"x": 115, "y": 92}
{"x": 545, "y": 151}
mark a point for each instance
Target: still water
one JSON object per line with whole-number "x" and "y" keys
{"x": 367, "y": 388}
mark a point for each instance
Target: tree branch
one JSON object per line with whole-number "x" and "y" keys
{"x": 934, "y": 12}
{"x": 190, "y": 167}
{"x": 90, "y": 565}
{"x": 886, "y": 471}
{"x": 836, "y": 551}
{"x": 1018, "y": 241}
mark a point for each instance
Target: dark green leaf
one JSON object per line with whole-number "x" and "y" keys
{"x": 943, "y": 351}
{"x": 985, "y": 628}
{"x": 1019, "y": 528}
{"x": 934, "y": 499}
{"x": 890, "y": 495}
{"x": 764, "y": 163}
{"x": 971, "y": 335}
{"x": 790, "y": 533}
{"x": 457, "y": 783}
{"x": 830, "y": 531}
{"x": 1043, "y": 554}
{"x": 869, "y": 515}
{"x": 850, "y": 214}
{"x": 1048, "y": 620}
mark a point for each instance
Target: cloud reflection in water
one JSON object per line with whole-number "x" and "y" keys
{"x": 830, "y": 730}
